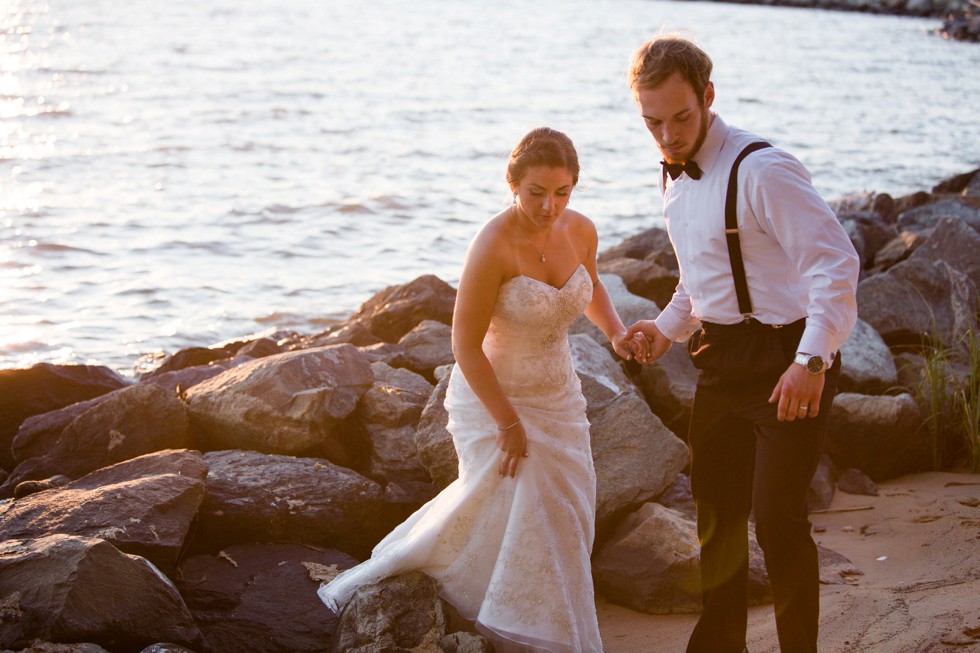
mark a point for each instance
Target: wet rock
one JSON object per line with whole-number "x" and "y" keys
{"x": 131, "y": 422}
{"x": 254, "y": 497}
{"x": 68, "y": 588}
{"x": 264, "y": 594}
{"x": 45, "y": 387}
{"x": 879, "y": 435}
{"x": 289, "y": 403}
{"x": 144, "y": 506}
{"x": 396, "y": 310}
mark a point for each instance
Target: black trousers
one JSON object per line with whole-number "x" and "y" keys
{"x": 745, "y": 460}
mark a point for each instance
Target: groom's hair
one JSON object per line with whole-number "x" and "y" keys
{"x": 664, "y": 55}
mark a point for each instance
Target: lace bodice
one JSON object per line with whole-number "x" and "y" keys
{"x": 527, "y": 342}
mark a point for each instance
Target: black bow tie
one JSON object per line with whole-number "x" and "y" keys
{"x": 675, "y": 169}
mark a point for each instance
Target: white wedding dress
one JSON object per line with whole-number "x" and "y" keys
{"x": 511, "y": 554}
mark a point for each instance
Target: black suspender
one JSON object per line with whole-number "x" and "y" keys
{"x": 731, "y": 231}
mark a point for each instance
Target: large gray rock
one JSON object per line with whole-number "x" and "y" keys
{"x": 636, "y": 457}
{"x": 263, "y": 594}
{"x": 669, "y": 385}
{"x": 254, "y": 497}
{"x": 39, "y": 434}
{"x": 868, "y": 232}
{"x": 389, "y": 413}
{"x": 403, "y": 613}
{"x": 68, "y": 588}
{"x": 434, "y": 442}
{"x": 131, "y": 422}
{"x": 954, "y": 242}
{"x": 428, "y": 346}
{"x": 651, "y": 564}
{"x": 45, "y": 387}
{"x": 643, "y": 278}
{"x": 652, "y": 245}
{"x": 926, "y": 217}
{"x": 881, "y": 436}
{"x": 396, "y": 310}
{"x": 291, "y": 403}
{"x": 867, "y": 364}
{"x": 920, "y": 300}
{"x": 144, "y": 506}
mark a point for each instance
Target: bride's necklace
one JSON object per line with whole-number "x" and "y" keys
{"x": 547, "y": 238}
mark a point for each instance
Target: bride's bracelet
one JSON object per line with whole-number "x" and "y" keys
{"x": 507, "y": 428}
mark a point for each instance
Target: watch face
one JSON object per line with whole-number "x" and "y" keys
{"x": 815, "y": 365}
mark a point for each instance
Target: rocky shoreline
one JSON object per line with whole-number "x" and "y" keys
{"x": 961, "y": 18}
{"x": 198, "y": 508}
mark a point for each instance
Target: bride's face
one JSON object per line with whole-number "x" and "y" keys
{"x": 543, "y": 194}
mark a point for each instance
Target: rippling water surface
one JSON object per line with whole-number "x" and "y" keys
{"x": 180, "y": 173}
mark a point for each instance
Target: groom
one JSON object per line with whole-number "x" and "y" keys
{"x": 766, "y": 297}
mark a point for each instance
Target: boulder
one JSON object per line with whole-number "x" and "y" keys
{"x": 867, "y": 364}
{"x": 926, "y": 217}
{"x": 652, "y": 244}
{"x": 289, "y": 403}
{"x": 190, "y": 357}
{"x": 881, "y": 436}
{"x": 264, "y": 594}
{"x": 427, "y": 346}
{"x": 26, "y": 488}
{"x": 137, "y": 420}
{"x": 433, "y": 442}
{"x": 397, "y": 614}
{"x": 954, "y": 242}
{"x": 822, "y": 485}
{"x": 255, "y": 497}
{"x": 636, "y": 457}
{"x": 898, "y": 249}
{"x": 854, "y": 481}
{"x": 389, "y": 413}
{"x": 678, "y": 497}
{"x": 179, "y": 381}
{"x": 39, "y": 434}
{"x": 144, "y": 506}
{"x": 396, "y": 310}
{"x": 69, "y": 588}
{"x": 651, "y": 564}
{"x": 868, "y": 232}
{"x": 920, "y": 301}
{"x": 669, "y": 385}
{"x": 45, "y": 387}
{"x": 644, "y": 278}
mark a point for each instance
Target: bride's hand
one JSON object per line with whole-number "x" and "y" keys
{"x": 513, "y": 442}
{"x": 629, "y": 348}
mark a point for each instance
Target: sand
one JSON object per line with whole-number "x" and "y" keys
{"x": 917, "y": 548}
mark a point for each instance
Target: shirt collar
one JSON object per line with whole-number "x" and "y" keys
{"x": 713, "y": 142}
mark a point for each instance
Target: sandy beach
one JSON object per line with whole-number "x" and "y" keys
{"x": 917, "y": 548}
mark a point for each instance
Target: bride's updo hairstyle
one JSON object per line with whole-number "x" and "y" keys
{"x": 542, "y": 146}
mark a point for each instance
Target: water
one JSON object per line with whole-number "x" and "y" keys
{"x": 181, "y": 173}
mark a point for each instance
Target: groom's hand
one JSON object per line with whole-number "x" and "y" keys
{"x": 657, "y": 343}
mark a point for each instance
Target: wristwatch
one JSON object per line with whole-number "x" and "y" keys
{"x": 813, "y": 364}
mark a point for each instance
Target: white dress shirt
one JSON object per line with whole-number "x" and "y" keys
{"x": 798, "y": 260}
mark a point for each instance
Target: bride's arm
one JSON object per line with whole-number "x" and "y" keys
{"x": 476, "y": 296}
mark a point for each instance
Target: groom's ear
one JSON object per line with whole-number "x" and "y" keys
{"x": 709, "y": 95}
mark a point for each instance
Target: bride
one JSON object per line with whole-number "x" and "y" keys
{"x": 509, "y": 541}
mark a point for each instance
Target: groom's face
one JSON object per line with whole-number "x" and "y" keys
{"x": 676, "y": 117}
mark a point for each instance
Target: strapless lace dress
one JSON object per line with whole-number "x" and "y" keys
{"x": 511, "y": 554}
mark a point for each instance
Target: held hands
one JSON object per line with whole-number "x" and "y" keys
{"x": 630, "y": 347}
{"x": 512, "y": 440}
{"x": 798, "y": 394}
{"x": 650, "y": 343}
